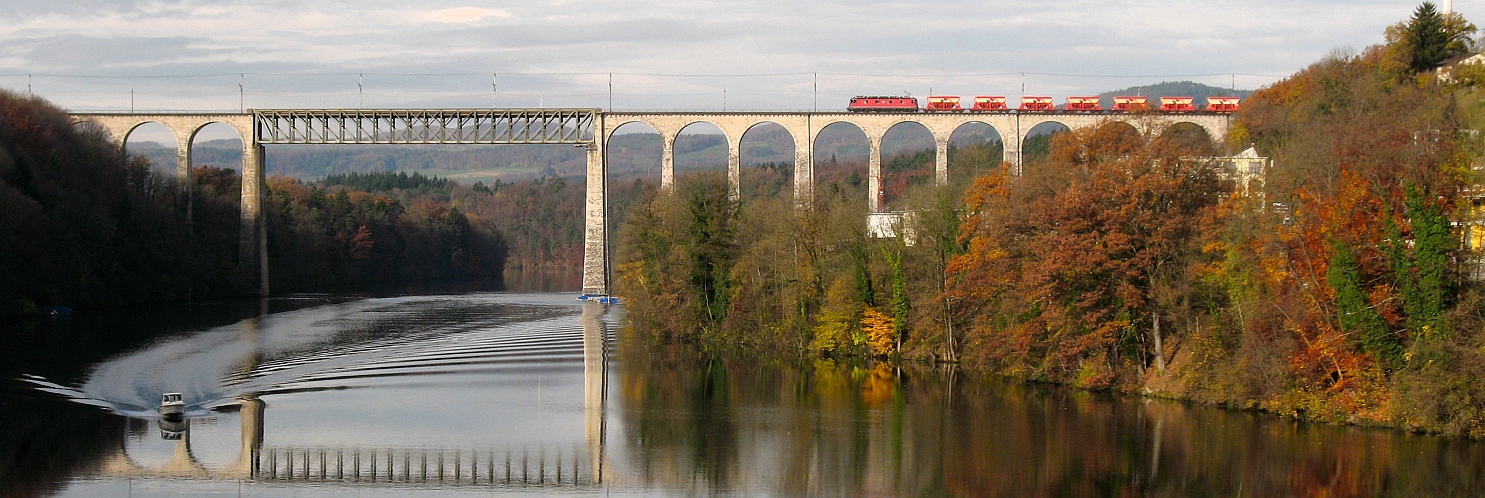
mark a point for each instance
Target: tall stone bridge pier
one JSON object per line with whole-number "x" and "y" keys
{"x": 591, "y": 129}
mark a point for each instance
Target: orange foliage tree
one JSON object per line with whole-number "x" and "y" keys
{"x": 1062, "y": 262}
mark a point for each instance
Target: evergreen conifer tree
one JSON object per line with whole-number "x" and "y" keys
{"x": 1432, "y": 38}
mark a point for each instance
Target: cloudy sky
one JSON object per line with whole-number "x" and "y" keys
{"x": 695, "y": 54}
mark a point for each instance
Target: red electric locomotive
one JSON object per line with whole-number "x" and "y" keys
{"x": 883, "y": 104}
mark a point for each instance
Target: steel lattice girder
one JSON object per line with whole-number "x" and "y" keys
{"x": 417, "y": 126}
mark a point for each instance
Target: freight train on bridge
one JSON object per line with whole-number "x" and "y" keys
{"x": 1032, "y": 103}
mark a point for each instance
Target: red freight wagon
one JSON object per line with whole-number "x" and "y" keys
{"x": 1030, "y": 103}
{"x": 1222, "y": 104}
{"x": 1082, "y": 104}
{"x": 943, "y": 103}
{"x": 990, "y": 103}
{"x": 883, "y": 104}
{"x": 1131, "y": 103}
{"x": 1177, "y": 104}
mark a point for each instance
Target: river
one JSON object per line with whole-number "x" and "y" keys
{"x": 486, "y": 393}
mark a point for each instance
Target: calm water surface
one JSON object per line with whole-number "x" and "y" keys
{"x": 534, "y": 393}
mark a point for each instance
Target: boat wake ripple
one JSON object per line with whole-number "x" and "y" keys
{"x": 338, "y": 346}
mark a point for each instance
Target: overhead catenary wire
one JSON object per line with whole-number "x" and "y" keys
{"x": 659, "y": 75}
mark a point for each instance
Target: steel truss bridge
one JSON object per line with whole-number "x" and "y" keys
{"x": 436, "y": 126}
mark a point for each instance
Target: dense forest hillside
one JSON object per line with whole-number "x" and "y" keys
{"x": 84, "y": 225}
{"x": 81, "y": 224}
{"x": 326, "y": 236}
{"x": 536, "y": 224}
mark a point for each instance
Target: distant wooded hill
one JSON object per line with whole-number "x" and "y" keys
{"x": 1172, "y": 89}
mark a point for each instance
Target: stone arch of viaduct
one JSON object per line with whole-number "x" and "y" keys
{"x": 252, "y": 233}
{"x": 805, "y": 127}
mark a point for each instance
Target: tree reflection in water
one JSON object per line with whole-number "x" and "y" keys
{"x": 704, "y": 423}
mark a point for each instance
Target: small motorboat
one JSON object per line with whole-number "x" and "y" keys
{"x": 172, "y": 406}
{"x": 59, "y": 311}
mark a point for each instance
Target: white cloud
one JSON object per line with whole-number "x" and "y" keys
{"x": 464, "y": 14}
{"x": 1111, "y": 43}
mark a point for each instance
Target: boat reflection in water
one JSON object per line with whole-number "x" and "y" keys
{"x": 173, "y": 428}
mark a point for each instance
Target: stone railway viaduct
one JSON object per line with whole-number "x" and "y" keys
{"x": 591, "y": 129}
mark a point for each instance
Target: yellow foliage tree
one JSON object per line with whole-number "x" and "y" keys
{"x": 881, "y": 335}
{"x": 833, "y": 334}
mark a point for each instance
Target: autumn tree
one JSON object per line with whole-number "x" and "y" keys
{"x": 677, "y": 255}
{"x": 880, "y": 332}
{"x": 1430, "y": 38}
{"x": 1062, "y": 262}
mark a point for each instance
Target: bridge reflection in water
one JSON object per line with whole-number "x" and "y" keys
{"x": 540, "y": 466}
{"x": 579, "y": 465}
